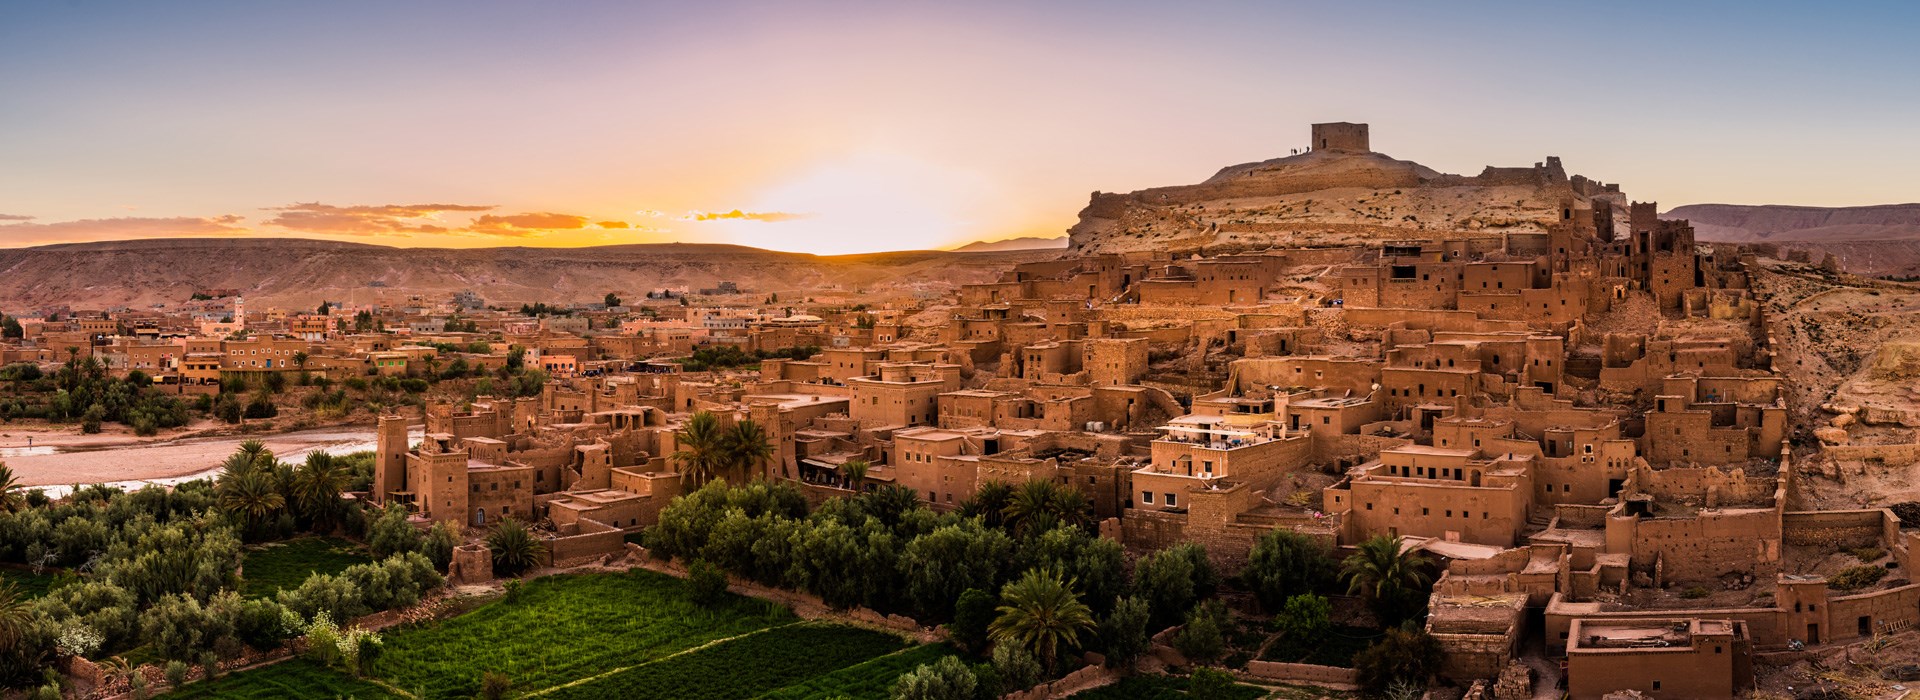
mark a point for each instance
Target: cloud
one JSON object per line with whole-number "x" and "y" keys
{"x": 528, "y": 224}
{"x": 15, "y": 217}
{"x": 121, "y": 228}
{"x": 613, "y": 224}
{"x": 649, "y": 213}
{"x": 767, "y": 216}
{"x": 366, "y": 220}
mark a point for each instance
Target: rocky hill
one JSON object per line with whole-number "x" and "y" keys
{"x": 1329, "y": 197}
{"x": 1021, "y": 243}
{"x": 1775, "y": 222}
{"x": 297, "y": 273}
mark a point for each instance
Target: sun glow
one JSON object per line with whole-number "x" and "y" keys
{"x": 864, "y": 203}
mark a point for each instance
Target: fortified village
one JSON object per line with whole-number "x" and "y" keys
{"x": 1590, "y": 420}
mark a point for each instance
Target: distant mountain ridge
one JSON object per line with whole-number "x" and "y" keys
{"x": 1744, "y": 223}
{"x": 1021, "y": 243}
{"x": 299, "y": 273}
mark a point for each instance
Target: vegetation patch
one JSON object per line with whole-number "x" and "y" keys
{"x": 558, "y": 629}
{"x": 31, "y": 585}
{"x": 1158, "y": 688}
{"x": 1336, "y": 647}
{"x": 745, "y": 667}
{"x": 270, "y": 568}
{"x": 871, "y": 679}
{"x": 298, "y": 679}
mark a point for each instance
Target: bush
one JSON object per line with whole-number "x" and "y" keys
{"x": 1125, "y": 632}
{"x": 946, "y": 679}
{"x": 1203, "y": 639}
{"x": 1209, "y": 684}
{"x": 1284, "y": 564}
{"x": 1304, "y": 617}
{"x": 1405, "y": 655}
{"x": 971, "y": 616}
{"x": 1017, "y": 669}
{"x": 1695, "y": 592}
{"x": 494, "y": 685}
{"x": 1867, "y": 554}
{"x": 178, "y": 627}
{"x": 176, "y": 673}
{"x": 706, "y": 583}
{"x": 1854, "y": 578}
{"x": 514, "y": 548}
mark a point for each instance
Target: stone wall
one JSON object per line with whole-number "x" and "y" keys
{"x": 1840, "y": 529}
{"x": 1299, "y": 673}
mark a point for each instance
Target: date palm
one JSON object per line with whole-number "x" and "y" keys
{"x": 703, "y": 448}
{"x": 16, "y": 612}
{"x": 10, "y": 497}
{"x": 855, "y": 470}
{"x": 317, "y": 485}
{"x": 1042, "y": 614}
{"x": 747, "y": 449}
{"x": 251, "y": 497}
{"x": 514, "y": 547}
{"x": 1392, "y": 581}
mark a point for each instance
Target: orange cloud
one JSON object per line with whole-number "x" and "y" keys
{"x": 366, "y": 220}
{"x": 613, "y": 224}
{"x": 769, "y": 216}
{"x": 81, "y": 230}
{"x": 15, "y": 217}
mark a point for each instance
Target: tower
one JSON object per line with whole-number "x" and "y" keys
{"x": 390, "y": 458}
{"x": 1341, "y": 136}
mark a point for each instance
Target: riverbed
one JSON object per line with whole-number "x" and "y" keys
{"x": 55, "y": 469}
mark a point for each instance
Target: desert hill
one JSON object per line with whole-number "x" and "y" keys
{"x": 1331, "y": 197}
{"x": 297, "y": 272}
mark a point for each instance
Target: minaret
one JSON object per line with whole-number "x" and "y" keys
{"x": 240, "y": 313}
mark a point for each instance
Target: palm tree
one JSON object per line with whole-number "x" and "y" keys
{"x": 300, "y": 363}
{"x": 16, "y": 612}
{"x": 1392, "y": 581}
{"x": 1034, "y": 506}
{"x": 10, "y": 497}
{"x": 317, "y": 485}
{"x": 855, "y": 471}
{"x": 989, "y": 503}
{"x": 251, "y": 496}
{"x": 1071, "y": 507}
{"x": 702, "y": 450}
{"x": 256, "y": 452}
{"x": 1041, "y": 613}
{"x": 747, "y": 449}
{"x": 514, "y": 548}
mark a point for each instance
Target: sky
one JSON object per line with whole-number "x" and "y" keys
{"x": 834, "y": 127}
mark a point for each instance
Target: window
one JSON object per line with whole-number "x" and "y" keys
{"x": 1146, "y": 497}
{"x": 1171, "y": 501}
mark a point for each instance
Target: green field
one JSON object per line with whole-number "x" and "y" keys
{"x": 627, "y": 635}
{"x": 269, "y": 568}
{"x": 742, "y": 667}
{"x": 870, "y": 679}
{"x": 561, "y": 629}
{"x": 298, "y": 679}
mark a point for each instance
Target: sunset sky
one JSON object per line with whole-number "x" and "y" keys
{"x": 839, "y": 127}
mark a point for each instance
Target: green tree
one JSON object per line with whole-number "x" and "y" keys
{"x": 1393, "y": 582}
{"x": 1406, "y": 655}
{"x": 1304, "y": 617}
{"x": 703, "y": 448}
{"x": 946, "y": 679}
{"x": 612, "y": 300}
{"x": 1209, "y": 684}
{"x": 1041, "y": 613}
{"x": 972, "y": 615}
{"x": 252, "y": 498}
{"x": 706, "y": 583}
{"x": 1284, "y": 564}
{"x": 391, "y": 534}
{"x": 988, "y": 503}
{"x": 16, "y": 613}
{"x": 943, "y": 564}
{"x": 1203, "y": 638}
{"x": 1125, "y": 632}
{"x": 514, "y": 548}
{"x": 10, "y": 328}
{"x": 1171, "y": 581}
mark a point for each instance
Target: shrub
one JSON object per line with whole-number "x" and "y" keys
{"x": 1405, "y": 655}
{"x": 1304, "y": 617}
{"x": 971, "y": 615}
{"x": 1284, "y": 564}
{"x": 1854, "y": 578}
{"x": 176, "y": 673}
{"x": 179, "y": 627}
{"x": 1867, "y": 554}
{"x": 946, "y": 679}
{"x": 707, "y": 584}
{"x": 1695, "y": 592}
{"x": 1125, "y": 632}
{"x": 1017, "y": 669}
{"x": 1209, "y": 684}
{"x": 494, "y": 685}
{"x": 1202, "y": 640}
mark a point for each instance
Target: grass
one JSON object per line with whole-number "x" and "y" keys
{"x": 298, "y": 679}
{"x": 30, "y": 584}
{"x": 873, "y": 678}
{"x": 1335, "y": 648}
{"x": 1157, "y": 688}
{"x": 288, "y": 564}
{"x": 744, "y": 667}
{"x": 560, "y": 629}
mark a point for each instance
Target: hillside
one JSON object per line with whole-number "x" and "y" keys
{"x": 1775, "y": 222}
{"x": 1877, "y": 241}
{"x": 1330, "y": 198}
{"x": 299, "y": 273}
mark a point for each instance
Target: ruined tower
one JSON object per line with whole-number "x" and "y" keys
{"x": 1340, "y": 136}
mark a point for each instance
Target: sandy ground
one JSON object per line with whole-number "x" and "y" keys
{"x": 58, "y": 459}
